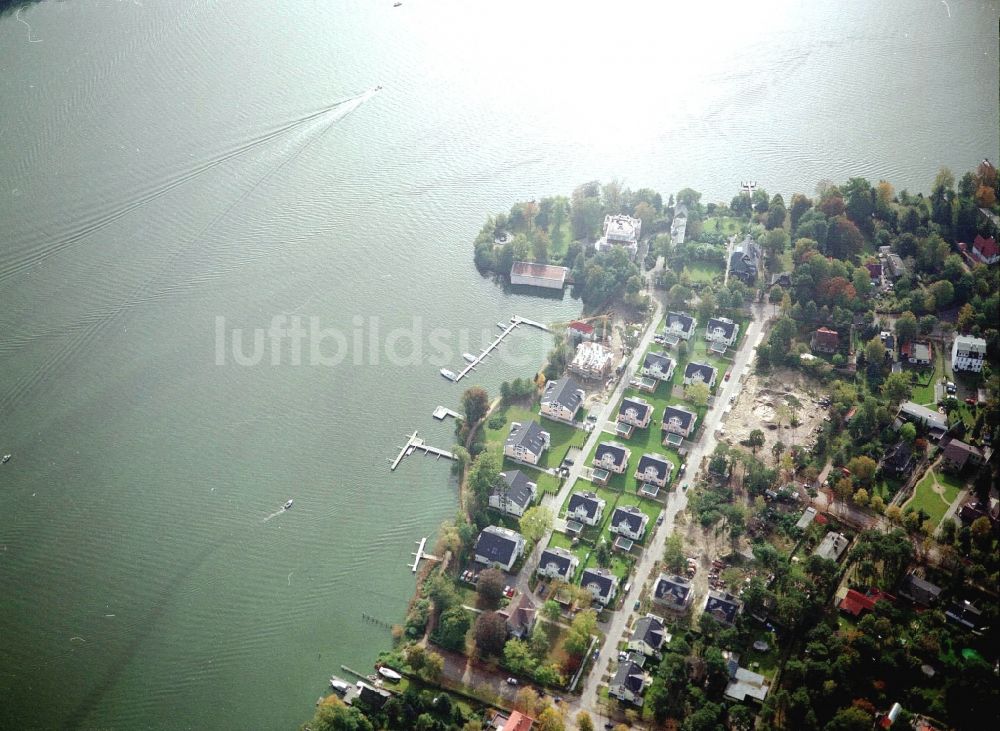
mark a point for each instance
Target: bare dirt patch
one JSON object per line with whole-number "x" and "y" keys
{"x": 770, "y": 403}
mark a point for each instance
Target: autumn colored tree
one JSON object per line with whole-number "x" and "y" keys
{"x": 844, "y": 240}
{"x": 490, "y": 633}
{"x": 863, "y": 468}
{"x": 475, "y": 402}
{"x": 490, "y": 586}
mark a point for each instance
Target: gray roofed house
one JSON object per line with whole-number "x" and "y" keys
{"x": 648, "y": 636}
{"x": 723, "y": 607}
{"x": 520, "y": 615}
{"x": 745, "y": 684}
{"x": 674, "y": 592}
{"x": 680, "y": 324}
{"x": 628, "y": 521}
{"x": 514, "y": 494}
{"x": 957, "y": 454}
{"x": 562, "y": 399}
{"x": 557, "y": 563}
{"x": 782, "y": 279}
{"x": 498, "y": 546}
{"x": 806, "y": 519}
{"x": 721, "y": 330}
{"x": 934, "y": 421}
{"x": 898, "y": 460}
{"x": 635, "y": 411}
{"x": 629, "y": 682}
{"x": 654, "y": 469}
{"x": 832, "y": 546}
{"x": 658, "y": 365}
{"x": 919, "y": 591}
{"x": 965, "y": 614}
{"x": 700, "y": 373}
{"x": 585, "y": 507}
{"x": 601, "y": 583}
{"x": 527, "y": 442}
{"x": 895, "y": 266}
{"x": 744, "y": 262}
{"x": 612, "y": 456}
{"x": 677, "y": 420}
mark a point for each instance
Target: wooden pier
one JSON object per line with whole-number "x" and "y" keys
{"x": 416, "y": 443}
{"x": 514, "y": 322}
{"x": 442, "y": 411}
{"x": 420, "y": 555}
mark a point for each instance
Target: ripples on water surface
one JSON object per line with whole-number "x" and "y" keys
{"x": 166, "y": 163}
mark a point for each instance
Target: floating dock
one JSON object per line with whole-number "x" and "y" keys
{"x": 416, "y": 443}
{"x": 441, "y": 412}
{"x": 419, "y": 554}
{"x": 514, "y": 322}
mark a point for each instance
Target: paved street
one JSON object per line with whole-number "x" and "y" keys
{"x": 675, "y": 504}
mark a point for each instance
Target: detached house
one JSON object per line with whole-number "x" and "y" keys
{"x": 721, "y": 330}
{"x": 635, "y": 411}
{"x": 673, "y": 592}
{"x": 629, "y": 682}
{"x": 679, "y": 421}
{"x": 700, "y": 373}
{"x": 832, "y": 546}
{"x": 680, "y": 325}
{"x": 557, "y": 563}
{"x": 628, "y": 521}
{"x": 918, "y": 353}
{"x": 898, "y": 460}
{"x": 654, "y": 469}
{"x": 648, "y": 636}
{"x": 936, "y": 424}
{"x": 562, "y": 399}
{"x": 498, "y": 546}
{"x": 723, "y": 607}
{"x": 612, "y": 456}
{"x": 825, "y": 340}
{"x": 514, "y": 494}
{"x": 744, "y": 262}
{"x": 601, "y": 583}
{"x": 592, "y": 360}
{"x": 985, "y": 250}
{"x": 919, "y": 591}
{"x": 957, "y": 454}
{"x": 620, "y": 231}
{"x": 527, "y": 442}
{"x": 968, "y": 354}
{"x": 520, "y": 616}
{"x": 658, "y": 366}
{"x": 585, "y": 507}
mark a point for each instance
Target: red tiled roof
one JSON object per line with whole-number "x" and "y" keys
{"x": 855, "y": 602}
{"x": 518, "y": 722}
{"x": 986, "y": 247}
{"x": 541, "y": 271}
{"x": 581, "y": 327}
{"x": 827, "y": 337}
{"x": 820, "y": 518}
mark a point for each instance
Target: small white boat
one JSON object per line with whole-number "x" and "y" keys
{"x": 502, "y": 325}
{"x": 339, "y": 685}
{"x": 5, "y": 460}
{"x": 469, "y": 357}
{"x": 450, "y": 375}
{"x": 389, "y": 674}
{"x": 287, "y": 505}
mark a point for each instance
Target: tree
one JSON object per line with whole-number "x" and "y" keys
{"x": 490, "y": 586}
{"x": 755, "y": 440}
{"x": 861, "y": 496}
{"x": 843, "y": 240}
{"x": 334, "y": 715}
{"x": 908, "y": 432}
{"x": 603, "y": 554}
{"x": 490, "y": 633}
{"x": 897, "y": 388}
{"x": 550, "y": 720}
{"x": 526, "y": 701}
{"x": 452, "y": 628}
{"x": 673, "y": 553}
{"x": 433, "y": 667}
{"x": 584, "y": 722}
{"x": 551, "y": 610}
{"x": 774, "y": 244}
{"x": 875, "y": 351}
{"x": 536, "y": 522}
{"x": 476, "y": 403}
{"x": 578, "y": 637}
{"x": 707, "y": 304}
{"x": 697, "y": 393}
{"x": 906, "y": 327}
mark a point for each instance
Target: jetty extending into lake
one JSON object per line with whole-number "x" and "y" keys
{"x": 416, "y": 443}
{"x": 514, "y": 322}
{"x": 442, "y": 411}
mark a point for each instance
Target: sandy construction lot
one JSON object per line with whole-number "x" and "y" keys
{"x": 770, "y": 403}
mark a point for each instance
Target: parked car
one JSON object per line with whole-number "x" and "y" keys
{"x": 511, "y": 681}
{"x": 728, "y": 374}
{"x": 970, "y": 401}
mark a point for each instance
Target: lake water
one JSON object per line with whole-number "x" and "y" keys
{"x": 171, "y": 173}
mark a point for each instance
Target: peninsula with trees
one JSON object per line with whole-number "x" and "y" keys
{"x": 753, "y": 487}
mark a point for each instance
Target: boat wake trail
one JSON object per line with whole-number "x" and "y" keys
{"x": 89, "y": 325}
{"x": 16, "y": 260}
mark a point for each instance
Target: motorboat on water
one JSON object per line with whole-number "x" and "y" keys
{"x": 339, "y": 684}
{"x": 5, "y": 459}
{"x": 389, "y": 674}
{"x": 469, "y": 357}
{"x": 450, "y": 375}
{"x": 287, "y": 505}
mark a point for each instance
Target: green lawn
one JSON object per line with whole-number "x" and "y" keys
{"x": 934, "y": 504}
{"x": 563, "y": 437}
{"x": 722, "y": 225}
{"x": 924, "y": 380}
{"x": 703, "y": 271}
